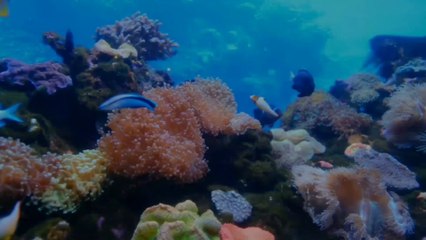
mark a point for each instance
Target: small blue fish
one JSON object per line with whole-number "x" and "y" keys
{"x": 127, "y": 100}
{"x": 9, "y": 114}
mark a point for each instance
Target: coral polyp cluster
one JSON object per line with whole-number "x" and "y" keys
{"x": 21, "y": 171}
{"x": 352, "y": 203}
{"x": 75, "y": 177}
{"x": 58, "y": 182}
{"x": 321, "y": 110}
{"x": 168, "y": 143}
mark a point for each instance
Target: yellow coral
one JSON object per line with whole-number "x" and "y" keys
{"x": 77, "y": 177}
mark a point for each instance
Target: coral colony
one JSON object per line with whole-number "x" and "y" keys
{"x": 103, "y": 146}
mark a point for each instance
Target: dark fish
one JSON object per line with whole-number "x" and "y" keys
{"x": 127, "y": 100}
{"x": 69, "y": 42}
{"x": 303, "y": 82}
{"x": 387, "y": 52}
{"x": 266, "y": 119}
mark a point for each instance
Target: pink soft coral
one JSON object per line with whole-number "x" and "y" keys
{"x": 168, "y": 143}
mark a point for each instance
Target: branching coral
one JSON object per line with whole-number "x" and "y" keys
{"x": 142, "y": 33}
{"x": 352, "y": 202}
{"x": 323, "y": 110}
{"x": 47, "y": 76}
{"x": 168, "y": 143}
{"x": 405, "y": 121}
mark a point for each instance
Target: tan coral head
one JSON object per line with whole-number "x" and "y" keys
{"x": 125, "y": 50}
{"x": 263, "y": 105}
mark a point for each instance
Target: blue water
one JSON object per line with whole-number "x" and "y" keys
{"x": 252, "y": 44}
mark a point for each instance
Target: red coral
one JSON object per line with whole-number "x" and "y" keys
{"x": 168, "y": 143}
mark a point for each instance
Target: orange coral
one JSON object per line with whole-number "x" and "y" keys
{"x": 232, "y": 232}
{"x": 168, "y": 143}
{"x": 21, "y": 171}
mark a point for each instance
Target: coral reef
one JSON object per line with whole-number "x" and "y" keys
{"x": 21, "y": 171}
{"x": 58, "y": 182}
{"x": 74, "y": 178}
{"x": 168, "y": 143}
{"x": 293, "y": 147}
{"x": 142, "y": 33}
{"x": 413, "y": 71}
{"x": 352, "y": 203}
{"x": 48, "y": 76}
{"x": 323, "y": 110}
{"x": 390, "y": 51}
{"x": 163, "y": 222}
{"x": 232, "y": 203}
{"x": 104, "y": 80}
{"x": 364, "y": 88}
{"x": 405, "y": 120}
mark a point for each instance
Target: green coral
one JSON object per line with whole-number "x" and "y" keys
{"x": 182, "y": 222}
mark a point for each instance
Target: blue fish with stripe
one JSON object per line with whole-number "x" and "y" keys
{"x": 127, "y": 100}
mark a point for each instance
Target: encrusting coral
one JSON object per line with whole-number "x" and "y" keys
{"x": 168, "y": 143}
{"x": 165, "y": 222}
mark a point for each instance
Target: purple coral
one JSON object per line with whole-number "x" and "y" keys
{"x": 48, "y": 75}
{"x": 233, "y": 203}
{"x": 394, "y": 173}
{"x": 142, "y": 33}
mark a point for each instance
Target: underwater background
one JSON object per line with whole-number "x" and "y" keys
{"x": 252, "y": 45}
{"x": 227, "y": 131}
